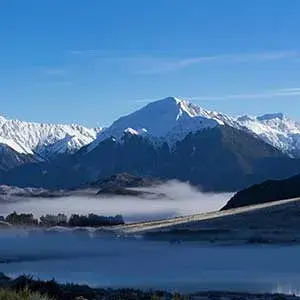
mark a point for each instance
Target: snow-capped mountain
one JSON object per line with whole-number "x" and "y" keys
{"x": 44, "y": 140}
{"x": 170, "y": 119}
{"x": 223, "y": 154}
{"x": 277, "y": 130}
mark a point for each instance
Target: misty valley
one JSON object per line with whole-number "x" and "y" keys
{"x": 204, "y": 205}
{"x": 149, "y": 150}
{"x": 182, "y": 242}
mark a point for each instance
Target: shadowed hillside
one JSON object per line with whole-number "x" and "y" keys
{"x": 267, "y": 191}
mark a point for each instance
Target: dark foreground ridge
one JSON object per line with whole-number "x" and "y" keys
{"x": 268, "y": 191}
{"x": 81, "y": 292}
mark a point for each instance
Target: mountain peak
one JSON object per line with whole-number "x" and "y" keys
{"x": 167, "y": 103}
{"x": 268, "y": 117}
{"x": 171, "y": 99}
{"x": 171, "y": 118}
{"x": 177, "y": 106}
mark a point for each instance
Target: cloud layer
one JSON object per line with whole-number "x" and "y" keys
{"x": 183, "y": 199}
{"x": 147, "y": 64}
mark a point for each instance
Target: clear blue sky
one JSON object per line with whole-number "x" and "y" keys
{"x": 90, "y": 61}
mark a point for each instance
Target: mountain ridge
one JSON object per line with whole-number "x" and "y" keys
{"x": 215, "y": 159}
{"x": 277, "y": 130}
{"x": 32, "y": 138}
{"x": 167, "y": 139}
{"x": 169, "y": 119}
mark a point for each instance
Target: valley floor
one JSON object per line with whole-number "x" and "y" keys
{"x": 269, "y": 223}
{"x": 239, "y": 251}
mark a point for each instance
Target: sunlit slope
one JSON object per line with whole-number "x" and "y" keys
{"x": 278, "y": 215}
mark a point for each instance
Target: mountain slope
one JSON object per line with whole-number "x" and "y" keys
{"x": 166, "y": 139}
{"x": 45, "y": 140}
{"x": 125, "y": 180}
{"x": 125, "y": 184}
{"x": 169, "y": 119}
{"x": 9, "y": 158}
{"x": 268, "y": 191}
{"x": 226, "y": 159}
{"x": 277, "y": 130}
{"x": 216, "y": 159}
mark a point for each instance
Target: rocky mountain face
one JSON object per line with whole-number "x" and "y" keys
{"x": 9, "y": 158}
{"x": 277, "y": 130}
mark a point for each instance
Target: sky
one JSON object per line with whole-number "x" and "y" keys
{"x": 92, "y": 61}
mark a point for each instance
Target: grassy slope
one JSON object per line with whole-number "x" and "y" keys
{"x": 269, "y": 223}
{"x": 6, "y": 294}
{"x": 190, "y": 221}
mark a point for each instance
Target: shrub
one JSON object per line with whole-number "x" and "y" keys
{"x": 22, "y": 295}
{"x": 21, "y": 219}
{"x": 93, "y": 220}
{"x": 54, "y": 220}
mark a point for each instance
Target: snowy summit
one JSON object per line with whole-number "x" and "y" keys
{"x": 169, "y": 119}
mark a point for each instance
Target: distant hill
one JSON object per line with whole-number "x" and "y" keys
{"x": 125, "y": 180}
{"x": 125, "y": 184}
{"x": 267, "y": 191}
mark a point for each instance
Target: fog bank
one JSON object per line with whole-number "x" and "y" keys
{"x": 182, "y": 199}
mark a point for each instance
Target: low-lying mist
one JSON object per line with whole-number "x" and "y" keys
{"x": 182, "y": 199}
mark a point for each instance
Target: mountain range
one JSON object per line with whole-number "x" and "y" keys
{"x": 167, "y": 139}
{"x": 174, "y": 119}
{"x": 44, "y": 141}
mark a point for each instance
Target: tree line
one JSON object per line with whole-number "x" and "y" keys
{"x": 75, "y": 220}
